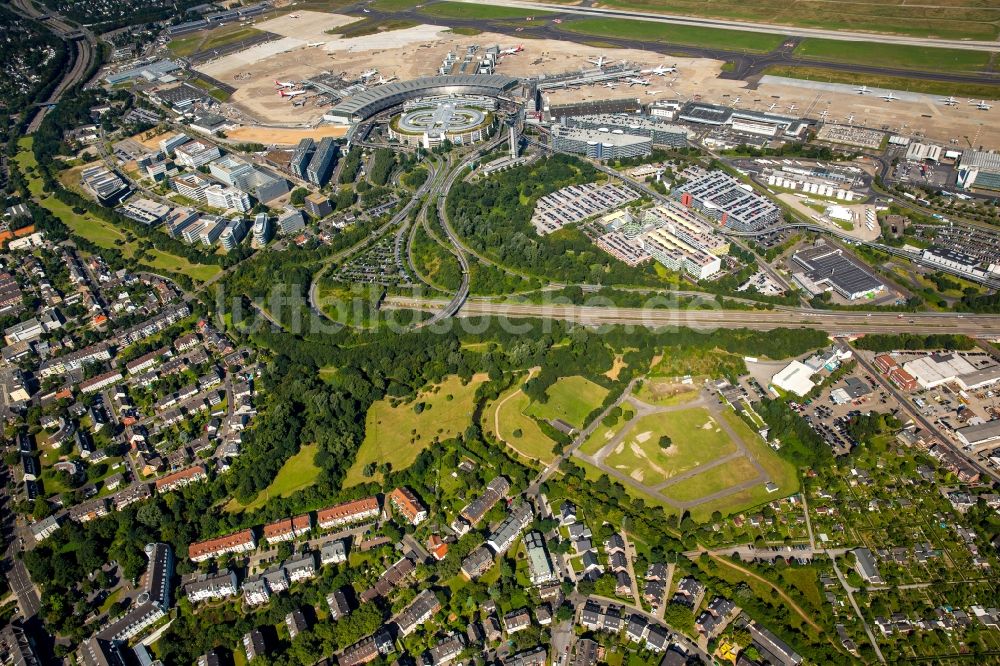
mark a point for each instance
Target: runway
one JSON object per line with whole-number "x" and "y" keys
{"x": 833, "y": 322}
{"x": 745, "y": 65}
{"x": 746, "y": 26}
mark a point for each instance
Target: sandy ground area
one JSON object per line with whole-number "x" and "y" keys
{"x": 418, "y": 51}
{"x": 284, "y": 136}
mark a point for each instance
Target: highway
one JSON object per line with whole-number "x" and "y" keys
{"x": 746, "y": 26}
{"x": 82, "y": 58}
{"x": 835, "y": 322}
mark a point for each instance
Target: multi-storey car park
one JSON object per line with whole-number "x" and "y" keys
{"x": 724, "y": 199}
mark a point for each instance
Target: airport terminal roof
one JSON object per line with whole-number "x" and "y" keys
{"x": 378, "y": 98}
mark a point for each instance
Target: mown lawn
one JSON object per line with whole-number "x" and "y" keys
{"x": 519, "y": 431}
{"x": 570, "y": 399}
{"x": 731, "y": 40}
{"x": 397, "y": 434}
{"x": 894, "y": 55}
{"x": 485, "y": 11}
{"x": 712, "y": 480}
{"x": 297, "y": 473}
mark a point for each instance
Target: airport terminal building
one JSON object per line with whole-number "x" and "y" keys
{"x": 364, "y": 105}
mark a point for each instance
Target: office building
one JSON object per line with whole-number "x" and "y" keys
{"x": 168, "y": 145}
{"x": 290, "y": 221}
{"x": 321, "y": 164}
{"x": 195, "y": 154}
{"x": 318, "y": 206}
{"x": 261, "y": 229}
{"x": 301, "y": 157}
{"x": 145, "y": 211}
{"x": 234, "y": 233}
{"x": 192, "y": 186}
{"x": 107, "y": 186}
{"x": 227, "y": 198}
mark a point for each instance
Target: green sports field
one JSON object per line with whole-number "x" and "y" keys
{"x": 397, "y": 434}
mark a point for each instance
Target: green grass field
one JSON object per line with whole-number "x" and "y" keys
{"x": 947, "y": 19}
{"x": 696, "y": 438}
{"x": 570, "y": 399}
{"x": 485, "y": 11}
{"x": 980, "y": 90}
{"x": 600, "y": 437}
{"x": 732, "y": 40}
{"x": 780, "y": 471}
{"x": 894, "y": 55}
{"x": 297, "y": 473}
{"x": 396, "y": 435}
{"x": 519, "y": 431}
{"x": 712, "y": 480}
{"x": 214, "y": 39}
{"x": 370, "y": 27}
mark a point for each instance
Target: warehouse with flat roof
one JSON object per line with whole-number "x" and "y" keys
{"x": 829, "y": 267}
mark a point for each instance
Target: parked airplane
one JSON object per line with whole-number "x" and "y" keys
{"x": 791, "y": 109}
{"x": 600, "y": 61}
{"x": 864, "y": 90}
{"x": 889, "y": 96}
{"x": 610, "y": 85}
{"x": 850, "y": 119}
{"x": 772, "y": 107}
{"x": 382, "y": 80}
{"x": 981, "y": 104}
{"x": 370, "y": 73}
{"x": 653, "y": 92}
{"x": 367, "y": 11}
{"x": 825, "y": 113}
{"x": 514, "y": 50}
{"x": 951, "y": 101}
{"x": 636, "y": 81}
{"x": 284, "y": 84}
{"x": 291, "y": 93}
{"x": 293, "y": 16}
{"x": 313, "y": 45}
{"x": 736, "y": 100}
{"x": 661, "y": 70}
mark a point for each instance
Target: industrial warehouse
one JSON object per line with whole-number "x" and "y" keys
{"x": 825, "y": 267}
